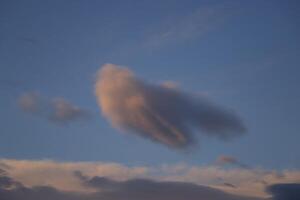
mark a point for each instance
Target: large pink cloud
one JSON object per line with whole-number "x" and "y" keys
{"x": 161, "y": 113}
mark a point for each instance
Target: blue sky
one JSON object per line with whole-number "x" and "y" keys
{"x": 242, "y": 54}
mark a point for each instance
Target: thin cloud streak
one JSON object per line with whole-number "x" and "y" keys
{"x": 224, "y": 160}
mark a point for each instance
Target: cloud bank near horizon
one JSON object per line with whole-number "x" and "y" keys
{"x": 87, "y": 177}
{"x": 57, "y": 110}
{"x": 106, "y": 188}
{"x": 161, "y": 113}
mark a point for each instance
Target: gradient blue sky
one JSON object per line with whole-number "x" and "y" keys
{"x": 245, "y": 56}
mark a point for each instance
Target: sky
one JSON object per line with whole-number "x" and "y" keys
{"x": 156, "y": 89}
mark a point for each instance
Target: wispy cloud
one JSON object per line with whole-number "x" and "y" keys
{"x": 229, "y": 160}
{"x": 178, "y": 29}
{"x": 161, "y": 113}
{"x": 190, "y": 26}
{"x": 57, "y": 110}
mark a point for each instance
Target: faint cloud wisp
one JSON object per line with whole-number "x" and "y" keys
{"x": 192, "y": 25}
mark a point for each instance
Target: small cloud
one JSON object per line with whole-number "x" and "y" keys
{"x": 30, "y": 102}
{"x": 80, "y": 175}
{"x": 170, "y": 84}
{"x": 57, "y": 110}
{"x": 28, "y": 40}
{"x": 222, "y": 160}
{"x": 64, "y": 111}
{"x": 229, "y": 185}
{"x": 161, "y": 113}
{"x": 229, "y": 160}
{"x": 160, "y": 190}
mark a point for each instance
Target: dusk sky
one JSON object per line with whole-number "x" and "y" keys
{"x": 113, "y": 97}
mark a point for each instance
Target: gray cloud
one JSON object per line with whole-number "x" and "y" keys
{"x": 57, "y": 110}
{"x": 7, "y": 182}
{"x": 229, "y": 185}
{"x": 162, "y": 113}
{"x": 148, "y": 189}
{"x": 285, "y": 191}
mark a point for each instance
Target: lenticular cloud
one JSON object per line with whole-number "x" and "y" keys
{"x": 161, "y": 113}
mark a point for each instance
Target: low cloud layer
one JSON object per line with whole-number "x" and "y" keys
{"x": 57, "y": 110}
{"x": 83, "y": 177}
{"x": 108, "y": 189}
{"x": 147, "y": 189}
{"x": 161, "y": 113}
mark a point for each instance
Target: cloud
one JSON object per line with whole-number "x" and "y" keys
{"x": 229, "y": 160}
{"x": 134, "y": 189}
{"x": 158, "y": 112}
{"x": 247, "y": 181}
{"x": 57, "y": 110}
{"x": 64, "y": 111}
{"x": 223, "y": 159}
{"x": 7, "y": 182}
{"x": 290, "y": 191}
{"x": 61, "y": 174}
{"x": 160, "y": 190}
{"x": 87, "y": 177}
{"x": 194, "y": 24}
{"x": 229, "y": 185}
